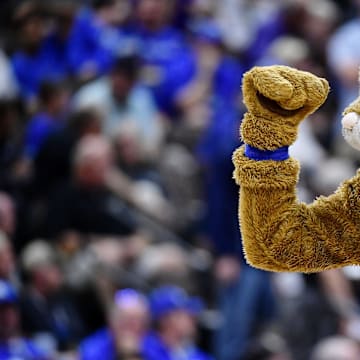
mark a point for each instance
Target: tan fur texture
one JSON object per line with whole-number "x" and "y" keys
{"x": 280, "y": 233}
{"x": 290, "y": 94}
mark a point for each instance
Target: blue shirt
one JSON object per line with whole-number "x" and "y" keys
{"x": 94, "y": 42}
{"x": 155, "y": 349}
{"x": 48, "y": 63}
{"x": 40, "y": 127}
{"x": 169, "y": 65}
{"x": 98, "y": 346}
{"x": 215, "y": 152}
{"x": 20, "y": 349}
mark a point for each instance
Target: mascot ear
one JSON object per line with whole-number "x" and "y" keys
{"x": 351, "y": 123}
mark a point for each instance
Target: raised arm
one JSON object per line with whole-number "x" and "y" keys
{"x": 279, "y": 233}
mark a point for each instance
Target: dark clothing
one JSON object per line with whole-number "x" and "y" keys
{"x": 53, "y": 162}
{"x": 40, "y": 127}
{"x": 89, "y": 211}
{"x": 55, "y": 316}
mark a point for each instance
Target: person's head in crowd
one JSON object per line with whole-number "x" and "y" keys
{"x": 84, "y": 122}
{"x": 40, "y": 265}
{"x": 112, "y": 12}
{"x": 9, "y": 314}
{"x": 267, "y": 346}
{"x": 129, "y": 315}
{"x": 64, "y": 13}
{"x": 92, "y": 161}
{"x": 335, "y": 348}
{"x": 7, "y": 214}
{"x": 128, "y": 147}
{"x": 30, "y": 21}
{"x": 123, "y": 77}
{"x": 175, "y": 315}
{"x": 290, "y": 51}
{"x": 7, "y": 258}
{"x": 320, "y": 20}
{"x": 207, "y": 40}
{"x": 154, "y": 14}
{"x": 54, "y": 97}
{"x": 128, "y": 321}
{"x": 164, "y": 264}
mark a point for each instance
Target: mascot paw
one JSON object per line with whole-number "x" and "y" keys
{"x": 277, "y": 99}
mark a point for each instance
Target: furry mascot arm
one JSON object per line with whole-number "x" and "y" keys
{"x": 279, "y": 233}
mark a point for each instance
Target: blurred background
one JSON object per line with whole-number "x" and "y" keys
{"x": 118, "y": 213}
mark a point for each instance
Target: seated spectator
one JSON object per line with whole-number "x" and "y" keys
{"x": 8, "y": 85}
{"x": 11, "y": 162}
{"x": 53, "y": 163}
{"x": 12, "y": 344}
{"x": 54, "y": 99}
{"x": 120, "y": 98}
{"x": 175, "y": 317}
{"x": 98, "y": 36}
{"x": 7, "y": 261}
{"x": 344, "y": 58}
{"x": 85, "y": 204}
{"x": 336, "y": 347}
{"x": 128, "y": 324}
{"x": 46, "y": 308}
{"x": 169, "y": 62}
{"x": 39, "y": 58}
{"x": 165, "y": 263}
{"x": 7, "y": 214}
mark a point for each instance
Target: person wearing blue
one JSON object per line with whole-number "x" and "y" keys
{"x": 245, "y": 298}
{"x": 122, "y": 339}
{"x": 169, "y": 62}
{"x": 175, "y": 314}
{"x": 98, "y": 37}
{"x": 12, "y": 344}
{"x": 42, "y": 56}
{"x": 54, "y": 99}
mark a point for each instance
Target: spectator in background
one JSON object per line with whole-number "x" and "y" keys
{"x": 53, "y": 163}
{"x": 7, "y": 261}
{"x": 344, "y": 59}
{"x": 7, "y": 215}
{"x": 120, "y": 98}
{"x": 11, "y": 147}
{"x": 175, "y": 318}
{"x": 127, "y": 326}
{"x": 99, "y": 36}
{"x": 39, "y": 58}
{"x": 336, "y": 347}
{"x": 46, "y": 308}
{"x": 53, "y": 105}
{"x": 9, "y": 89}
{"x": 169, "y": 62}
{"x": 85, "y": 204}
{"x": 12, "y": 344}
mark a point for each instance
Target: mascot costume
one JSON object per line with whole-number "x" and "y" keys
{"x": 280, "y": 233}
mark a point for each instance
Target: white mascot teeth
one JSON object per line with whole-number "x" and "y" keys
{"x": 351, "y": 129}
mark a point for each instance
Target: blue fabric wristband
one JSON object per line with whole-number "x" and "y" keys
{"x": 279, "y": 154}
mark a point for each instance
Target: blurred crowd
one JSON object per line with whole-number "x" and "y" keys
{"x": 119, "y": 236}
